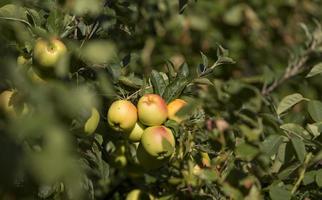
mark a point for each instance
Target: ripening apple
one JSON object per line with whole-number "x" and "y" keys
{"x": 92, "y": 122}
{"x": 47, "y": 53}
{"x": 152, "y": 110}
{"x": 173, "y": 107}
{"x": 136, "y": 133}
{"x": 138, "y": 194}
{"x": 158, "y": 141}
{"x": 205, "y": 160}
{"x": 122, "y": 116}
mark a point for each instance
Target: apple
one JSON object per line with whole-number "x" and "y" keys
{"x": 47, "y": 53}
{"x": 158, "y": 141}
{"x": 122, "y": 116}
{"x": 138, "y": 194}
{"x": 35, "y": 77}
{"x": 136, "y": 133}
{"x": 119, "y": 159}
{"x": 92, "y": 122}
{"x": 152, "y": 110}
{"x": 22, "y": 60}
{"x": 173, "y": 107}
{"x": 10, "y": 104}
{"x": 6, "y": 104}
{"x": 147, "y": 161}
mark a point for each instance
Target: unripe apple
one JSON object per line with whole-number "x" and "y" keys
{"x": 35, "y": 77}
{"x": 138, "y": 194}
{"x": 122, "y": 116}
{"x": 92, "y": 122}
{"x": 147, "y": 161}
{"x": 9, "y": 105}
{"x": 152, "y": 110}
{"x": 158, "y": 141}
{"x": 173, "y": 107}
{"x": 119, "y": 159}
{"x": 6, "y": 104}
{"x": 22, "y": 60}
{"x": 47, "y": 53}
{"x": 136, "y": 133}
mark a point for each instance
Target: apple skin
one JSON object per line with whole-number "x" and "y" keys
{"x": 136, "y": 133}
{"x": 122, "y": 116}
{"x": 138, "y": 194}
{"x": 92, "y": 122}
{"x": 8, "y": 104}
{"x": 147, "y": 161}
{"x": 47, "y": 53}
{"x": 152, "y": 110}
{"x": 5, "y": 103}
{"x": 158, "y": 141}
{"x": 173, "y": 107}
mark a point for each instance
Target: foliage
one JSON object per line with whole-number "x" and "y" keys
{"x": 255, "y": 114}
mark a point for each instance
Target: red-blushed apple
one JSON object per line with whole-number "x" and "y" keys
{"x": 138, "y": 194}
{"x": 158, "y": 141}
{"x": 173, "y": 107}
{"x": 136, "y": 133}
{"x": 122, "y": 116}
{"x": 92, "y": 122}
{"x": 152, "y": 110}
{"x": 47, "y": 53}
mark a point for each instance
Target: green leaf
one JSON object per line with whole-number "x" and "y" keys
{"x": 188, "y": 109}
{"x": 246, "y": 152}
{"x": 315, "y": 110}
{"x": 289, "y": 101}
{"x": 271, "y": 144}
{"x": 184, "y": 70}
{"x": 299, "y": 148}
{"x": 158, "y": 82}
{"x": 204, "y": 81}
{"x": 204, "y": 60}
{"x": 296, "y": 129}
{"x": 174, "y": 89}
{"x": 318, "y": 178}
{"x": 309, "y": 177}
{"x": 279, "y": 193}
{"x": 317, "y": 69}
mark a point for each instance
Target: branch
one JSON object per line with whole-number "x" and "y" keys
{"x": 292, "y": 70}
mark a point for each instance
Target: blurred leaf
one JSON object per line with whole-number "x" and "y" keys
{"x": 271, "y": 144}
{"x": 315, "y": 110}
{"x": 98, "y": 52}
{"x": 246, "y": 152}
{"x": 299, "y": 148}
{"x": 234, "y": 15}
{"x": 289, "y": 101}
{"x": 318, "y": 178}
{"x": 309, "y": 177}
{"x": 317, "y": 69}
{"x": 279, "y": 193}
{"x": 295, "y": 129}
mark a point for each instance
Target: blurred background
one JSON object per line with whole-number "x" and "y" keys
{"x": 260, "y": 35}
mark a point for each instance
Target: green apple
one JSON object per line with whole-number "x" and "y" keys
{"x": 136, "y": 133}
{"x": 173, "y": 107}
{"x": 158, "y": 141}
{"x": 47, "y": 53}
{"x": 11, "y": 105}
{"x": 152, "y": 110}
{"x": 138, "y": 194}
{"x": 122, "y": 116}
{"x": 92, "y": 122}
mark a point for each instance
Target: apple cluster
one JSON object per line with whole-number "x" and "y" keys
{"x": 144, "y": 124}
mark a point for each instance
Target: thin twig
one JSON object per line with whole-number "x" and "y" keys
{"x": 292, "y": 70}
